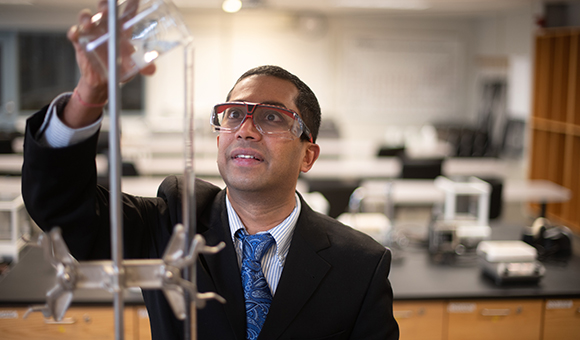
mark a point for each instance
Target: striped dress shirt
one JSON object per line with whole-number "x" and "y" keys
{"x": 274, "y": 259}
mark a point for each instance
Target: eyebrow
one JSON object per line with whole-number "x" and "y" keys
{"x": 274, "y": 103}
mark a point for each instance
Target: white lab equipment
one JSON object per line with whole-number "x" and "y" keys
{"x": 510, "y": 261}
{"x": 15, "y": 225}
{"x": 455, "y": 234}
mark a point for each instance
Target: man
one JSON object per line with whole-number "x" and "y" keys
{"x": 324, "y": 280}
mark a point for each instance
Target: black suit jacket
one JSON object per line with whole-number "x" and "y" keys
{"x": 335, "y": 280}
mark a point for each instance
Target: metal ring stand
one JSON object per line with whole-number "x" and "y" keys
{"x": 175, "y": 272}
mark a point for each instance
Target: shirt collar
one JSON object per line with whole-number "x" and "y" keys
{"x": 282, "y": 233}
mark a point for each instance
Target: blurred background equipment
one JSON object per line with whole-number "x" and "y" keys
{"x": 553, "y": 242}
{"x": 15, "y": 225}
{"x": 454, "y": 234}
{"x": 510, "y": 261}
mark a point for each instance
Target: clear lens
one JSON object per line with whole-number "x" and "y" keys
{"x": 232, "y": 116}
{"x": 273, "y": 121}
{"x": 267, "y": 119}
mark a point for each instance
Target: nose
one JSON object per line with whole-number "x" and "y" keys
{"x": 248, "y": 130}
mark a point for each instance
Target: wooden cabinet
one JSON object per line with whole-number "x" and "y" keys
{"x": 561, "y": 319}
{"x": 143, "y": 327}
{"x": 494, "y": 319}
{"x": 555, "y": 125}
{"x": 528, "y": 319}
{"x": 420, "y": 319}
{"x": 94, "y": 323}
{"x": 432, "y": 320}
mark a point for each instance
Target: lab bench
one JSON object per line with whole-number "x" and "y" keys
{"x": 455, "y": 300}
{"x": 432, "y": 301}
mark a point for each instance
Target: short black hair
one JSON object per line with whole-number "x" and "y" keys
{"x": 306, "y": 101}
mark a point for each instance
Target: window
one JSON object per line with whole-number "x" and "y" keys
{"x": 7, "y": 92}
{"x": 132, "y": 95}
{"x": 47, "y": 67}
{"x": 1, "y": 75}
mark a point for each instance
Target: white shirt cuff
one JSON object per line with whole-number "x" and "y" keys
{"x": 54, "y": 133}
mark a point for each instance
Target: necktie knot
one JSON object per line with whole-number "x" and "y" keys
{"x": 255, "y": 246}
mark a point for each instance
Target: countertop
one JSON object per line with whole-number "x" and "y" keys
{"x": 414, "y": 276}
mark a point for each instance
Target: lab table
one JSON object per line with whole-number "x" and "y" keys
{"x": 420, "y": 287}
{"x": 413, "y": 276}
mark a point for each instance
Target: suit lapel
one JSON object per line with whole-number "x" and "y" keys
{"x": 304, "y": 268}
{"x": 222, "y": 267}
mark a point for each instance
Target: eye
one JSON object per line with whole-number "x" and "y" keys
{"x": 233, "y": 113}
{"x": 273, "y": 117}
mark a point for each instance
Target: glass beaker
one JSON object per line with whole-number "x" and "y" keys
{"x": 147, "y": 29}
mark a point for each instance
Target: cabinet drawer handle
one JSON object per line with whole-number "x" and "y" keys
{"x": 402, "y": 314}
{"x": 405, "y": 314}
{"x": 495, "y": 312}
{"x": 64, "y": 321}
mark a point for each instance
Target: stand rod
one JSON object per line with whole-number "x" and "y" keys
{"x": 189, "y": 213}
{"x": 116, "y": 212}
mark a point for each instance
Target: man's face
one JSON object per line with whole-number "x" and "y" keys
{"x": 251, "y": 162}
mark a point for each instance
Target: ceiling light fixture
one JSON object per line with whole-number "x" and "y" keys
{"x": 16, "y": 2}
{"x": 384, "y": 4}
{"x": 231, "y": 6}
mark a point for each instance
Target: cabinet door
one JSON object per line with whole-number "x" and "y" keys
{"x": 143, "y": 326}
{"x": 79, "y": 323}
{"x": 419, "y": 319}
{"x": 494, "y": 319}
{"x": 562, "y": 320}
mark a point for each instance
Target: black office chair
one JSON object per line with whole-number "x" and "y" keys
{"x": 337, "y": 192}
{"x": 421, "y": 168}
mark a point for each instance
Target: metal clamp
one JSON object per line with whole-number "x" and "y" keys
{"x": 164, "y": 274}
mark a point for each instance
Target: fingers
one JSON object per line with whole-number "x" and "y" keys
{"x": 103, "y": 5}
{"x": 90, "y": 70}
{"x": 84, "y": 19}
{"x": 148, "y": 70}
{"x": 73, "y": 34}
{"x": 131, "y": 8}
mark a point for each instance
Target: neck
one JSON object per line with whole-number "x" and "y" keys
{"x": 259, "y": 213}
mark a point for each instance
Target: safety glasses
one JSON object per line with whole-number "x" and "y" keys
{"x": 270, "y": 120}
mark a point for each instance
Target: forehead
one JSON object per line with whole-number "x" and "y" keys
{"x": 267, "y": 90}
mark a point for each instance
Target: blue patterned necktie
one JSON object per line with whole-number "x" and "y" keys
{"x": 257, "y": 294}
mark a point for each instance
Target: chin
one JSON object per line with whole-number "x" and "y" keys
{"x": 244, "y": 184}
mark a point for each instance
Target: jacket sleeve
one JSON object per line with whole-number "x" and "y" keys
{"x": 59, "y": 188}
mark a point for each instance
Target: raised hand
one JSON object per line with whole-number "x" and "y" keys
{"x": 91, "y": 92}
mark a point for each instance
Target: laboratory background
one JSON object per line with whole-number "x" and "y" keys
{"x": 450, "y": 133}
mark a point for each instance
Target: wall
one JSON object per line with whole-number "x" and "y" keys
{"x": 337, "y": 65}
{"x": 339, "y": 70}
{"x": 510, "y": 36}
{"x": 431, "y": 72}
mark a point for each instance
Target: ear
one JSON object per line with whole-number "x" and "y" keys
{"x": 218, "y": 141}
{"x": 310, "y": 156}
